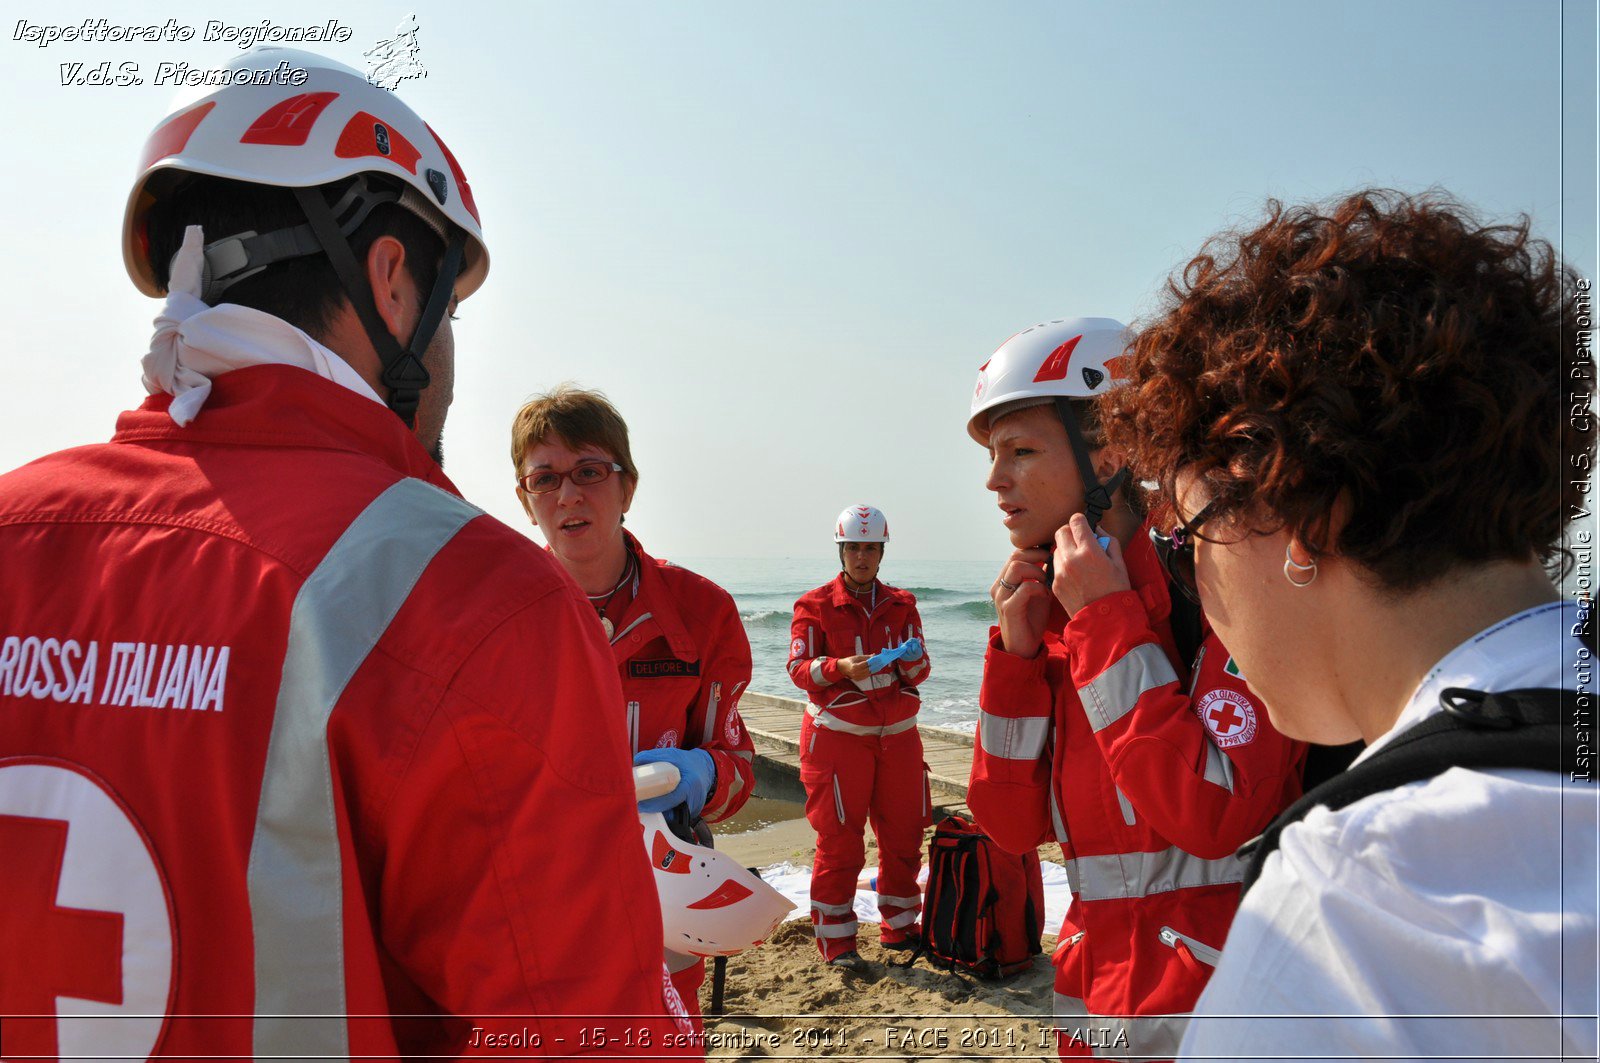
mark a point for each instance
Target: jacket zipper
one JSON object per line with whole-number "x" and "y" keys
{"x": 1204, "y": 953}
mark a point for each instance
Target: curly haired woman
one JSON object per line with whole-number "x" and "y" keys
{"x": 1373, "y": 422}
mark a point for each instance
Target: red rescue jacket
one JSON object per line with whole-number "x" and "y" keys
{"x": 1150, "y": 775}
{"x": 829, "y": 623}
{"x": 684, "y": 659}
{"x": 291, "y": 729}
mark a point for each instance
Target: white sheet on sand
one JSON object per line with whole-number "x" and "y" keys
{"x": 795, "y": 883}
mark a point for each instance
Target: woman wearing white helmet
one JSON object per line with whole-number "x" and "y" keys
{"x": 1111, "y": 720}
{"x": 856, "y": 650}
{"x": 676, "y": 637}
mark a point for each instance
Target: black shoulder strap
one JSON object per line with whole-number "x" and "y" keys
{"x": 1505, "y": 729}
{"x": 1188, "y": 630}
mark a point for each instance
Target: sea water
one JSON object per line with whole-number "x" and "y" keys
{"x": 952, "y": 596}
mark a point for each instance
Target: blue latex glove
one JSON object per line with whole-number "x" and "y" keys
{"x": 884, "y": 658}
{"x": 697, "y": 775}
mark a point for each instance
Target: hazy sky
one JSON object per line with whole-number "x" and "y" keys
{"x": 783, "y": 236}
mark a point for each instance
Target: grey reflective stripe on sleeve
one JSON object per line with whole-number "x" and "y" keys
{"x": 1126, "y": 806}
{"x": 1011, "y": 738}
{"x": 1114, "y": 692}
{"x": 1126, "y": 876}
{"x": 295, "y": 876}
{"x": 1126, "y": 1037}
{"x": 816, "y": 672}
{"x": 735, "y": 788}
{"x": 744, "y": 754}
{"x": 1219, "y": 769}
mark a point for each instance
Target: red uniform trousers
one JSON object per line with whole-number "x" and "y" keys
{"x": 851, "y": 780}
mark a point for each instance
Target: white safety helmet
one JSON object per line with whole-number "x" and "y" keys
{"x": 861, "y": 524}
{"x": 331, "y": 126}
{"x": 711, "y": 905}
{"x": 1070, "y": 358}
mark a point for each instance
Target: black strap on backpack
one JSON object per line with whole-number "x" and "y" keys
{"x": 1504, "y": 729}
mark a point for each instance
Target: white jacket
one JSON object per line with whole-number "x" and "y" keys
{"x": 1452, "y": 917}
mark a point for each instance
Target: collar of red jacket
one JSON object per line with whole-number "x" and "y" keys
{"x": 656, "y": 598}
{"x": 843, "y": 595}
{"x": 1146, "y": 575}
{"x": 285, "y": 406}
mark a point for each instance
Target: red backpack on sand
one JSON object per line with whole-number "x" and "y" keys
{"x": 983, "y": 908}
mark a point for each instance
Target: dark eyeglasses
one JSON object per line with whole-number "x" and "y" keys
{"x": 1176, "y": 552}
{"x": 583, "y": 474}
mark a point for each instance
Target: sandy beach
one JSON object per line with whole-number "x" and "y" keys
{"x": 782, "y": 1002}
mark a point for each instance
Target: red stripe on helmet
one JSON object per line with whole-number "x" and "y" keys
{"x": 730, "y": 892}
{"x": 666, "y": 857}
{"x": 288, "y": 123}
{"x": 1055, "y": 366}
{"x": 173, "y": 135}
{"x": 461, "y": 178}
{"x": 360, "y": 138}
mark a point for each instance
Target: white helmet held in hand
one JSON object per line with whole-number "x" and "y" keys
{"x": 861, "y": 524}
{"x": 710, "y": 904}
{"x": 1070, "y": 358}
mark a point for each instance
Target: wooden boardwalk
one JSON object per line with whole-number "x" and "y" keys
{"x": 774, "y": 726}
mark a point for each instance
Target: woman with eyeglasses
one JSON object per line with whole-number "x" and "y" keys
{"x": 679, "y": 645}
{"x": 1111, "y": 719}
{"x": 1374, "y": 419}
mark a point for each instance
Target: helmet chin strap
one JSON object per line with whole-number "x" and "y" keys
{"x": 403, "y": 372}
{"x": 1096, "y": 495}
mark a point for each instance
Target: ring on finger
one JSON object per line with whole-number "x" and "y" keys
{"x": 1008, "y": 586}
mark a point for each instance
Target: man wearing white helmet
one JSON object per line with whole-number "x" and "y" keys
{"x": 287, "y": 721}
{"x": 1111, "y": 720}
{"x": 856, "y": 650}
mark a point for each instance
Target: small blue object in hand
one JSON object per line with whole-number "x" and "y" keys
{"x": 911, "y": 647}
{"x": 697, "y": 775}
{"x": 1105, "y": 542}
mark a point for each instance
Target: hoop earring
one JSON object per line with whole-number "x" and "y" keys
{"x": 1289, "y": 563}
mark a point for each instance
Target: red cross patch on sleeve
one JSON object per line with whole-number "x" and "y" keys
{"x": 1229, "y": 716}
